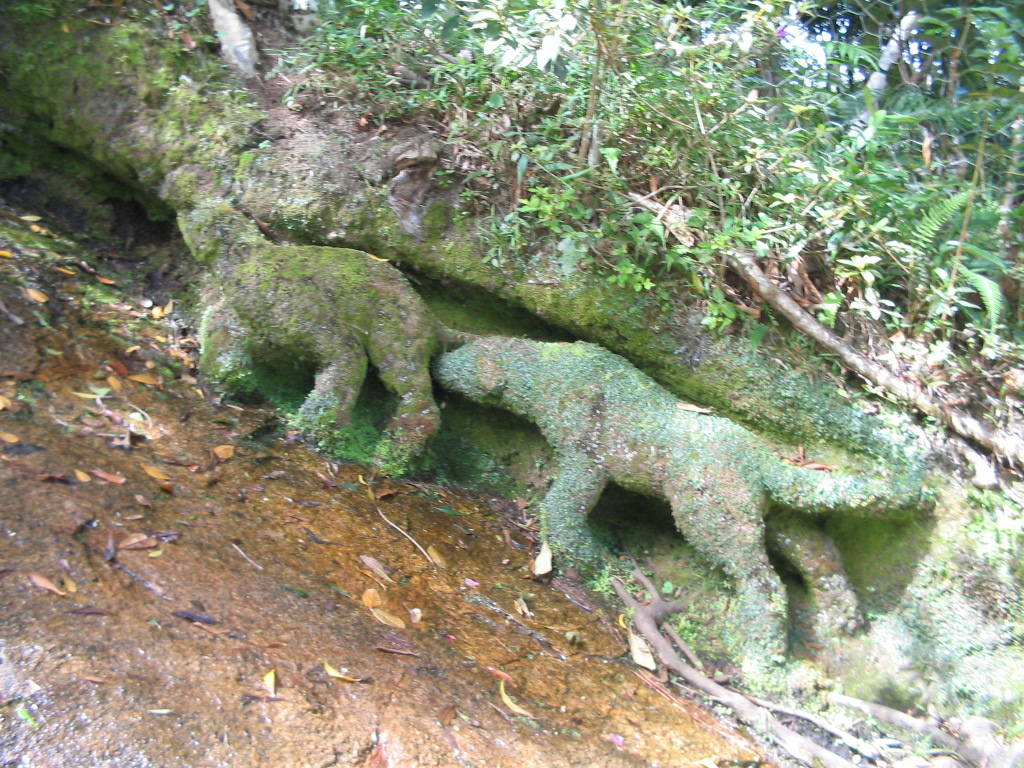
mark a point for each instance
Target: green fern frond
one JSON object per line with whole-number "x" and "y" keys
{"x": 991, "y": 296}
{"x": 923, "y": 236}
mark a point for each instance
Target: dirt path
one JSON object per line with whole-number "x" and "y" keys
{"x": 183, "y": 585}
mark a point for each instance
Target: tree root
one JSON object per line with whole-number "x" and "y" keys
{"x": 972, "y": 738}
{"x": 648, "y": 617}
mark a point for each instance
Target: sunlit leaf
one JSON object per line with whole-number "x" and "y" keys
{"x": 6, "y": 255}
{"x": 270, "y": 681}
{"x": 372, "y": 599}
{"x": 542, "y": 563}
{"x": 7, "y": 437}
{"x": 107, "y": 476}
{"x": 332, "y": 672}
{"x": 105, "y": 280}
{"x": 435, "y": 557}
{"x": 509, "y": 703}
{"x": 31, "y": 218}
{"x": 155, "y": 472}
{"x": 5, "y": 402}
{"x": 33, "y": 295}
{"x": 693, "y": 408}
{"x": 82, "y": 477}
{"x": 159, "y": 711}
{"x": 374, "y": 565}
{"x": 115, "y": 383}
{"x": 223, "y": 452}
{"x": 68, "y": 583}
{"x": 44, "y": 583}
{"x": 641, "y": 652}
{"x": 387, "y": 618}
{"x": 145, "y": 378}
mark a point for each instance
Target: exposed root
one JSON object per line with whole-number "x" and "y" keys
{"x": 648, "y": 617}
{"x": 972, "y": 738}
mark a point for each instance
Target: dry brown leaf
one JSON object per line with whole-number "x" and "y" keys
{"x": 7, "y": 437}
{"x": 82, "y": 477}
{"x": 107, "y": 476}
{"x": 5, "y": 402}
{"x": 374, "y": 565}
{"x": 817, "y": 465}
{"x": 145, "y": 378}
{"x": 509, "y": 703}
{"x": 435, "y": 557}
{"x": 44, "y": 583}
{"x": 137, "y": 541}
{"x": 115, "y": 383}
{"x": 155, "y": 472}
{"x": 446, "y": 715}
{"x": 223, "y": 452}
{"x": 245, "y": 9}
{"x": 387, "y": 618}
{"x": 372, "y": 599}
{"x": 33, "y": 295}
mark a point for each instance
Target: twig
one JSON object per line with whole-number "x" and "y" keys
{"x": 847, "y": 738}
{"x": 386, "y": 520}
{"x": 248, "y": 559}
{"x": 10, "y": 315}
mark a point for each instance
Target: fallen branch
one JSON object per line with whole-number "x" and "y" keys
{"x": 973, "y": 738}
{"x": 1000, "y": 442}
{"x": 647, "y": 617}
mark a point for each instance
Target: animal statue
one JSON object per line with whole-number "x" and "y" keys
{"x": 607, "y": 421}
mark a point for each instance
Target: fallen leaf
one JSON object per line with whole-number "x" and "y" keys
{"x": 44, "y": 583}
{"x": 105, "y": 280}
{"x": 387, "y": 618}
{"x": 693, "y": 408}
{"x": 137, "y": 541}
{"x": 270, "y": 680}
{"x": 93, "y": 679}
{"x": 374, "y": 565}
{"x": 5, "y": 402}
{"x": 223, "y": 452}
{"x": 7, "y": 437}
{"x": 509, "y": 703}
{"x": 641, "y": 652}
{"x": 82, "y": 477}
{"x": 6, "y": 255}
{"x": 31, "y": 217}
{"x": 817, "y": 465}
{"x": 188, "y": 41}
{"x": 144, "y": 378}
{"x": 446, "y": 715}
{"x": 415, "y": 615}
{"x": 142, "y": 501}
{"x": 332, "y": 672}
{"x": 33, "y": 295}
{"x": 542, "y": 563}
{"x": 502, "y": 675}
{"x": 159, "y": 711}
{"x": 435, "y": 557}
{"x": 68, "y": 583}
{"x": 115, "y": 383}
{"x": 64, "y": 271}
{"x": 107, "y": 476}
{"x": 155, "y": 472}
{"x": 132, "y": 349}
{"x": 372, "y": 599}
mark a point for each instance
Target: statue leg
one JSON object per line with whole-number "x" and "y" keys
{"x": 816, "y": 559}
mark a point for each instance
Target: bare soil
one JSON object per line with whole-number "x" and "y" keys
{"x": 183, "y": 584}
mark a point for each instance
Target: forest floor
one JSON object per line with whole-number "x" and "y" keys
{"x": 185, "y": 584}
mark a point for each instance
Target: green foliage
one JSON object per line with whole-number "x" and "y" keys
{"x": 741, "y": 127}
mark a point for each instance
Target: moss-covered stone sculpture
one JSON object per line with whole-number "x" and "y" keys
{"x": 335, "y": 309}
{"x": 607, "y": 421}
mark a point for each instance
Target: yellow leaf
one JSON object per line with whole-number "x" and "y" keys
{"x": 44, "y": 583}
{"x": 332, "y": 672}
{"x": 436, "y": 557}
{"x": 6, "y": 255}
{"x": 7, "y": 437}
{"x": 155, "y": 472}
{"x": 115, "y": 383}
{"x": 224, "y": 452}
{"x": 270, "y": 680}
{"x": 641, "y": 652}
{"x": 82, "y": 477}
{"x": 68, "y": 583}
{"x": 159, "y": 711}
{"x": 66, "y": 28}
{"x": 144, "y": 378}
{"x": 33, "y": 295}
{"x": 508, "y": 701}
{"x": 31, "y": 218}
{"x": 387, "y": 618}
{"x": 5, "y": 402}
{"x": 377, "y": 258}
{"x": 156, "y": 553}
{"x": 157, "y": 312}
{"x": 105, "y": 280}
{"x": 542, "y": 563}
{"x": 371, "y": 598}
{"x": 64, "y": 271}
{"x": 132, "y": 349}
{"x": 169, "y": 307}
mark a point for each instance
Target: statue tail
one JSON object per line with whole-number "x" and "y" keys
{"x": 809, "y": 490}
